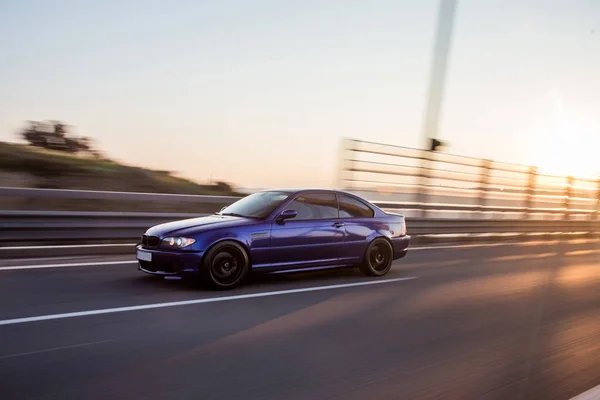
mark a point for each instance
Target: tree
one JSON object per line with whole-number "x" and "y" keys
{"x": 224, "y": 187}
{"x": 55, "y": 135}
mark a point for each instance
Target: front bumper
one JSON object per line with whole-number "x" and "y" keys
{"x": 170, "y": 263}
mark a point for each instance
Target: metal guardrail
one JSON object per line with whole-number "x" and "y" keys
{"x": 444, "y": 226}
{"x": 68, "y": 194}
{"x": 439, "y": 193}
{"x": 435, "y": 184}
{"x": 40, "y": 226}
{"x": 220, "y": 201}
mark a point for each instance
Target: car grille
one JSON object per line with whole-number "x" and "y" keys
{"x": 150, "y": 242}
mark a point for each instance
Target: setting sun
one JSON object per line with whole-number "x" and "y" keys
{"x": 570, "y": 153}
{"x": 571, "y": 148}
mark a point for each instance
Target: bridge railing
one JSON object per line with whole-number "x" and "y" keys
{"x": 439, "y": 193}
{"x": 441, "y": 185}
{"x": 38, "y": 227}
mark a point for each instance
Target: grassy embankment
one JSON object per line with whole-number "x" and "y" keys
{"x": 26, "y": 166}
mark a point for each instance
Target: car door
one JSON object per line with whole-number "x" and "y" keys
{"x": 360, "y": 226}
{"x": 313, "y": 238}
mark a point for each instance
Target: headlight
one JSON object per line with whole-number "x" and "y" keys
{"x": 177, "y": 242}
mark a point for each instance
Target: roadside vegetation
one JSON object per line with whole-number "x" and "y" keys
{"x": 54, "y": 160}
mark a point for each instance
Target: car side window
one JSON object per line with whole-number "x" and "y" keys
{"x": 353, "y": 208}
{"x": 314, "y": 206}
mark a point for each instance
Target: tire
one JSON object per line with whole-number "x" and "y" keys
{"x": 226, "y": 265}
{"x": 378, "y": 258}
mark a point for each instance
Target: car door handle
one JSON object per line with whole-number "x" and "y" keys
{"x": 338, "y": 224}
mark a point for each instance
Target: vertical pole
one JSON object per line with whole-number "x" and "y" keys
{"x": 341, "y": 172}
{"x": 530, "y": 191}
{"x": 598, "y": 201}
{"x": 349, "y": 152}
{"x": 435, "y": 93}
{"x": 483, "y": 183}
{"x": 439, "y": 66}
{"x": 426, "y": 157}
{"x": 568, "y": 191}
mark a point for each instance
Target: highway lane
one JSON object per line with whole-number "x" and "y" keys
{"x": 76, "y": 288}
{"x": 504, "y": 322}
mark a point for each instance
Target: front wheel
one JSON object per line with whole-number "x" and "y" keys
{"x": 378, "y": 258}
{"x": 226, "y": 265}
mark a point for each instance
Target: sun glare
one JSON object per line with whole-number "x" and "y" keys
{"x": 571, "y": 153}
{"x": 571, "y": 148}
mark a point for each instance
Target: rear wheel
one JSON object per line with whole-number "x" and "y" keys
{"x": 226, "y": 265}
{"x": 378, "y": 258}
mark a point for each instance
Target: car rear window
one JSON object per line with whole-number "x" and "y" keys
{"x": 353, "y": 208}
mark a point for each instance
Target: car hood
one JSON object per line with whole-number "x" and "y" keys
{"x": 195, "y": 225}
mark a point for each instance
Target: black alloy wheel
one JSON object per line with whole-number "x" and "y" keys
{"x": 226, "y": 265}
{"x": 378, "y": 258}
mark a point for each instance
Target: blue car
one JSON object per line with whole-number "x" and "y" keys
{"x": 277, "y": 231}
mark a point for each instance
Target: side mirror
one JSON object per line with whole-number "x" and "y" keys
{"x": 286, "y": 214}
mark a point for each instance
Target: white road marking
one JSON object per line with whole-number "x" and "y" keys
{"x": 592, "y": 394}
{"x": 470, "y": 246}
{"x": 68, "y": 246}
{"x": 503, "y": 244}
{"x": 523, "y": 257}
{"x": 54, "y": 349}
{"x": 55, "y": 258}
{"x": 581, "y": 252}
{"x": 199, "y": 301}
{"x": 88, "y": 264}
{"x": 410, "y": 249}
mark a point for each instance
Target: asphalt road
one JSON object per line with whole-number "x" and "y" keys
{"x": 508, "y": 322}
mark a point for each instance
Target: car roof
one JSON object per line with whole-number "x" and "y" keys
{"x": 312, "y": 190}
{"x": 307, "y": 190}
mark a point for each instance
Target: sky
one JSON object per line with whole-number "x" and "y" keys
{"x": 259, "y": 93}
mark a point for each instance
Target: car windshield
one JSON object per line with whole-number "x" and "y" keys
{"x": 257, "y": 205}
